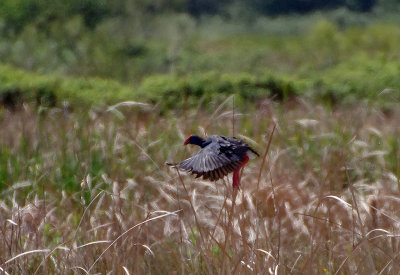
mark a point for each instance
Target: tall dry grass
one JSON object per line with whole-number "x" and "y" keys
{"x": 88, "y": 192}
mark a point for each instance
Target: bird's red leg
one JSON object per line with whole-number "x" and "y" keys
{"x": 236, "y": 173}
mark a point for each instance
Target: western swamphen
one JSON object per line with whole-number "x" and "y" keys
{"x": 219, "y": 156}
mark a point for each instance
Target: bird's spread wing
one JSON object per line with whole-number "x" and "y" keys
{"x": 211, "y": 162}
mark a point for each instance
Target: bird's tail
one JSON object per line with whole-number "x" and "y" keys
{"x": 254, "y": 151}
{"x": 251, "y": 153}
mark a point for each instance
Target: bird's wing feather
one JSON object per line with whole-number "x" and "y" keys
{"x": 210, "y": 162}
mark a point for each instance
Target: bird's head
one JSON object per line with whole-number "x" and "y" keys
{"x": 187, "y": 141}
{"x": 193, "y": 139}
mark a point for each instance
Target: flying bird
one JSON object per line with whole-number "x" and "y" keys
{"x": 219, "y": 156}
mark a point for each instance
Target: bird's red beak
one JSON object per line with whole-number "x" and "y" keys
{"x": 187, "y": 141}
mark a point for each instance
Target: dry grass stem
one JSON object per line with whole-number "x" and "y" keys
{"x": 79, "y": 188}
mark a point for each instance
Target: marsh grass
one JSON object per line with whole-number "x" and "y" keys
{"x": 89, "y": 192}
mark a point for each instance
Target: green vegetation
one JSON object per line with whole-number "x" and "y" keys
{"x": 357, "y": 78}
{"x": 18, "y": 86}
{"x": 19, "y": 13}
{"x": 325, "y": 63}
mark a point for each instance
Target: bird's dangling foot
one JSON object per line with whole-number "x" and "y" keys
{"x": 236, "y": 174}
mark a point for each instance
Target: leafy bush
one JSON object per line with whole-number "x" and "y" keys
{"x": 356, "y": 79}
{"x": 17, "y": 86}
{"x": 327, "y": 63}
{"x": 174, "y": 92}
{"x": 19, "y": 13}
{"x": 359, "y": 79}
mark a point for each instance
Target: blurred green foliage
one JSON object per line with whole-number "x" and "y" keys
{"x": 213, "y": 88}
{"x": 374, "y": 80}
{"x": 156, "y": 52}
{"x": 18, "y": 13}
{"x": 17, "y": 86}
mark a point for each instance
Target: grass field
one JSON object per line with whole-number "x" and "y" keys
{"x": 88, "y": 191}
